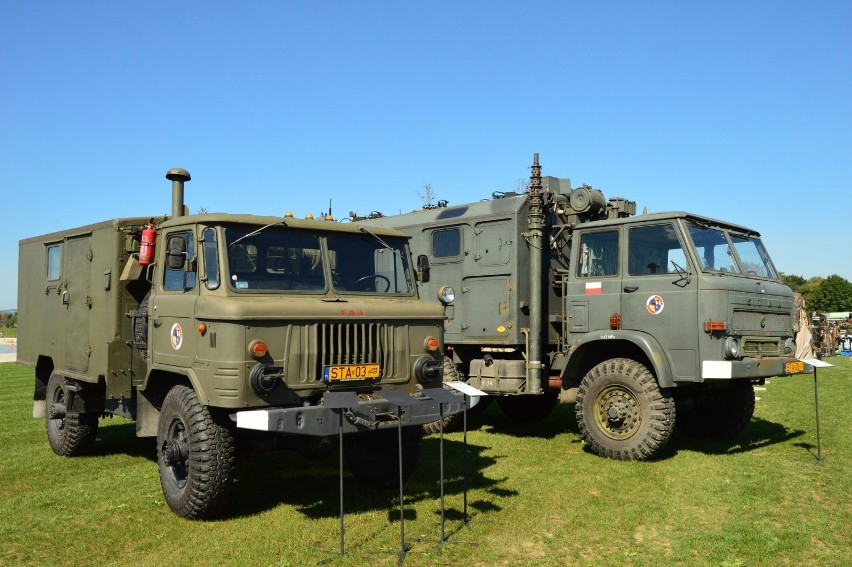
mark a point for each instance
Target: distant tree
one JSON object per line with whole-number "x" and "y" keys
{"x": 427, "y": 196}
{"x": 793, "y": 281}
{"x": 833, "y": 294}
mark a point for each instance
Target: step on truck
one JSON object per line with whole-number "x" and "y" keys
{"x": 645, "y": 322}
{"x": 221, "y": 332}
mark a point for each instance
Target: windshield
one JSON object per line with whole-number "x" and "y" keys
{"x": 715, "y": 247}
{"x": 285, "y": 260}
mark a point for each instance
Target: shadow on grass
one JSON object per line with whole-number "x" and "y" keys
{"x": 268, "y": 480}
{"x": 758, "y": 434}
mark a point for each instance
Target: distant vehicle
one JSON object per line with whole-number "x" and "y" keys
{"x": 645, "y": 322}
{"x": 207, "y": 328}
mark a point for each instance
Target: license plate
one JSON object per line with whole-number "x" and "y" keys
{"x": 343, "y": 372}
{"x": 795, "y": 367}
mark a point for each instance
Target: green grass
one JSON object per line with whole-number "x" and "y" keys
{"x": 536, "y": 496}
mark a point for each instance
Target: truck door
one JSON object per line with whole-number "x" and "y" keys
{"x": 76, "y": 298}
{"x": 446, "y": 246}
{"x": 659, "y": 298}
{"x": 171, "y": 316}
{"x": 594, "y": 288}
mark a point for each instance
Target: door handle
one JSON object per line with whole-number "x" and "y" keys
{"x": 630, "y": 288}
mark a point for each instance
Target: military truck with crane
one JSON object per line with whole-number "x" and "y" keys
{"x": 218, "y": 331}
{"x": 644, "y": 322}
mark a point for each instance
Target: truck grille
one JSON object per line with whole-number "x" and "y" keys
{"x": 352, "y": 343}
{"x": 757, "y": 347}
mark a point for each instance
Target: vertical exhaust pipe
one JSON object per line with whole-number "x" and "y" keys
{"x": 178, "y": 177}
{"x": 537, "y": 251}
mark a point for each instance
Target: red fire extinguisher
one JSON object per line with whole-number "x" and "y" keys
{"x": 146, "y": 250}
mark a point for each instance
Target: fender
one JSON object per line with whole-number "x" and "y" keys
{"x": 661, "y": 365}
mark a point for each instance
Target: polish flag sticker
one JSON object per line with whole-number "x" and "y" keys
{"x": 593, "y": 288}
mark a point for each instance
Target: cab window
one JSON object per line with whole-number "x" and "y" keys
{"x": 179, "y": 279}
{"x": 598, "y": 254}
{"x": 654, "y": 250}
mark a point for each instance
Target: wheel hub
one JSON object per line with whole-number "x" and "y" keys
{"x": 174, "y": 452}
{"x": 617, "y": 412}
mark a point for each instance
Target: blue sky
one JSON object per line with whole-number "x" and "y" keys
{"x": 736, "y": 110}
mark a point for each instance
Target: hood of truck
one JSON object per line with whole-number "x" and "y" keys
{"x": 231, "y": 308}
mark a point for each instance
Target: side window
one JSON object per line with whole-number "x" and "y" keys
{"x": 211, "y": 259}
{"x": 446, "y": 243}
{"x": 180, "y": 279}
{"x": 652, "y": 249}
{"x": 54, "y": 260}
{"x": 598, "y": 254}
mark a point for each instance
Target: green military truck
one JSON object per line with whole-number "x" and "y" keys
{"x": 644, "y": 322}
{"x": 214, "y": 331}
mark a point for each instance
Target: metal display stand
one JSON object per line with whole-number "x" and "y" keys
{"x": 816, "y": 363}
{"x": 342, "y": 401}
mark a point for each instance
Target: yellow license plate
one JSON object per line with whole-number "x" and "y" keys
{"x": 351, "y": 372}
{"x": 794, "y": 367}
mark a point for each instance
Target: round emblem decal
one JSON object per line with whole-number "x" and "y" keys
{"x": 176, "y": 336}
{"x": 655, "y": 305}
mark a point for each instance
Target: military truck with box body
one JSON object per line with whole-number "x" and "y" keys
{"x": 643, "y": 321}
{"x": 216, "y": 330}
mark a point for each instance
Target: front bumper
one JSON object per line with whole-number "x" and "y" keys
{"x": 359, "y": 416}
{"x": 749, "y": 368}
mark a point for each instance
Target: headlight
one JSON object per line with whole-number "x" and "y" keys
{"x": 790, "y": 347}
{"x": 447, "y": 295}
{"x": 732, "y": 348}
{"x": 428, "y": 370}
{"x": 265, "y": 377}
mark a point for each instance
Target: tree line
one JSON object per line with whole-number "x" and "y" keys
{"x": 825, "y": 295}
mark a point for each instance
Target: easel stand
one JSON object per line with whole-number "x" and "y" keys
{"x": 816, "y": 363}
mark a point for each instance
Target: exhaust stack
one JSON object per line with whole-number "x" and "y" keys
{"x": 178, "y": 177}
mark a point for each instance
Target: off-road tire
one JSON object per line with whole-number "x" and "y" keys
{"x": 451, "y": 374}
{"x": 373, "y": 457}
{"x": 195, "y": 454}
{"x": 622, "y": 412}
{"x": 527, "y": 408}
{"x": 719, "y": 414}
{"x": 71, "y": 435}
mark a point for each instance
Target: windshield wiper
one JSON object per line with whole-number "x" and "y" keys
{"x": 256, "y": 232}
{"x": 382, "y": 242}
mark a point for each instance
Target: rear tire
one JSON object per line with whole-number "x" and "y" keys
{"x": 69, "y": 434}
{"x": 622, "y": 412}
{"x": 373, "y": 457}
{"x": 196, "y": 455}
{"x": 719, "y": 414}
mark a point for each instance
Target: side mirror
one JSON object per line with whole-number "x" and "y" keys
{"x": 423, "y": 268}
{"x": 176, "y": 252}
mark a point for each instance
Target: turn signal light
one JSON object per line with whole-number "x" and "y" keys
{"x": 432, "y": 344}
{"x": 258, "y": 349}
{"x": 615, "y": 321}
{"x": 712, "y": 326}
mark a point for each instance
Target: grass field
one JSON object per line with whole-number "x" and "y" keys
{"x": 536, "y": 496}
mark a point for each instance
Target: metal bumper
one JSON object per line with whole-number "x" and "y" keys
{"x": 749, "y": 368}
{"x": 360, "y": 416}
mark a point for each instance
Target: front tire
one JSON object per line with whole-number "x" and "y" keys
{"x": 373, "y": 457}
{"x": 196, "y": 455}
{"x": 69, "y": 433}
{"x": 622, "y": 412}
{"x": 451, "y": 374}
